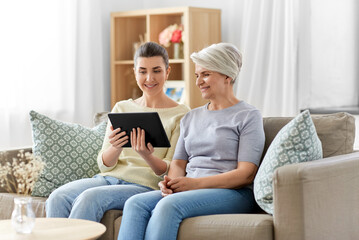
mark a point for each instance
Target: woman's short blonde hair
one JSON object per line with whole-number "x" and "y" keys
{"x": 224, "y": 58}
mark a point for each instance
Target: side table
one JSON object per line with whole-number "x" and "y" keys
{"x": 55, "y": 228}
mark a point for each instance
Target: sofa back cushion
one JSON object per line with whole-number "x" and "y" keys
{"x": 336, "y": 132}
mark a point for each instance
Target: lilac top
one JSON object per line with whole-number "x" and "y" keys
{"x": 214, "y": 141}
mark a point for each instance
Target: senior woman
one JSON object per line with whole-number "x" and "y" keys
{"x": 216, "y": 157}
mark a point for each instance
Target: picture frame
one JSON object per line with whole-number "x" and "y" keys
{"x": 175, "y": 90}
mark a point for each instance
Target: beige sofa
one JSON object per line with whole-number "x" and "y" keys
{"x": 313, "y": 200}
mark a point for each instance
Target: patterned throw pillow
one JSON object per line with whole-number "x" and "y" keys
{"x": 296, "y": 142}
{"x": 68, "y": 150}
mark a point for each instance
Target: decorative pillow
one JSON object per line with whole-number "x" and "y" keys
{"x": 69, "y": 151}
{"x": 295, "y": 142}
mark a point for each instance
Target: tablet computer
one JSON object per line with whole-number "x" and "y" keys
{"x": 148, "y": 121}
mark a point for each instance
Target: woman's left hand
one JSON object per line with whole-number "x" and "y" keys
{"x": 138, "y": 143}
{"x": 181, "y": 184}
{"x": 165, "y": 191}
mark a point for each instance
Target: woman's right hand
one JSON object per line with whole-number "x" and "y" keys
{"x": 163, "y": 186}
{"x": 117, "y": 138}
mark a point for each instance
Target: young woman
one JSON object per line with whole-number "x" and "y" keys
{"x": 125, "y": 171}
{"x": 216, "y": 157}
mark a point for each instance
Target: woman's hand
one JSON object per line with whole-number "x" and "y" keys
{"x": 163, "y": 187}
{"x": 118, "y": 138}
{"x": 181, "y": 184}
{"x": 139, "y": 145}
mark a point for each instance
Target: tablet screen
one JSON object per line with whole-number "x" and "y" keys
{"x": 148, "y": 121}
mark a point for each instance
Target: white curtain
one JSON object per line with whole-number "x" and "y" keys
{"x": 269, "y": 43}
{"x": 51, "y": 60}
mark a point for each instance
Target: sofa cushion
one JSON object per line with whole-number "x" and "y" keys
{"x": 296, "y": 142}
{"x": 336, "y": 132}
{"x": 68, "y": 150}
{"x": 112, "y": 220}
{"x": 227, "y": 226}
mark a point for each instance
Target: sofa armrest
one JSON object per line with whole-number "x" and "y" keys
{"x": 318, "y": 199}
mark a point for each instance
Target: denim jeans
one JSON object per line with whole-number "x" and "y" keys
{"x": 151, "y": 216}
{"x": 90, "y": 198}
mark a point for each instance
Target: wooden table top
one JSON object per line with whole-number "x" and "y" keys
{"x": 55, "y": 228}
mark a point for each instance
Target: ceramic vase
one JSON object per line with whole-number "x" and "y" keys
{"x": 177, "y": 50}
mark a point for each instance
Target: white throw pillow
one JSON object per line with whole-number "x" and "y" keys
{"x": 296, "y": 142}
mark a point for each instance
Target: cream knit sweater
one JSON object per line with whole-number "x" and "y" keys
{"x": 131, "y": 167}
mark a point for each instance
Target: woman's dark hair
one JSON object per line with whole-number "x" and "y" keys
{"x": 151, "y": 49}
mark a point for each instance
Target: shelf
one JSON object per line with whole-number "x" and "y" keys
{"x": 123, "y": 62}
{"x": 202, "y": 27}
{"x": 177, "y": 61}
{"x": 128, "y": 30}
{"x": 171, "y": 61}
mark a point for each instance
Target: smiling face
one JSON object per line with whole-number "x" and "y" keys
{"x": 151, "y": 74}
{"x": 211, "y": 84}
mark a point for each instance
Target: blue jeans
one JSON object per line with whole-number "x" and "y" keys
{"x": 90, "y": 198}
{"x": 151, "y": 216}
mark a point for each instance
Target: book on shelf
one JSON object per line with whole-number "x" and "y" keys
{"x": 175, "y": 90}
